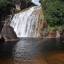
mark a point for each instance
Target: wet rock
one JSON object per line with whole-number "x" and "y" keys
{"x": 2, "y": 40}
{"x": 8, "y": 33}
{"x": 52, "y": 34}
{"x": 1, "y": 25}
{"x": 62, "y": 36}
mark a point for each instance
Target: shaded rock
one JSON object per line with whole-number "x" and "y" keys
{"x": 42, "y": 25}
{"x": 62, "y": 36}
{"x": 2, "y": 40}
{"x": 1, "y": 25}
{"x": 8, "y": 33}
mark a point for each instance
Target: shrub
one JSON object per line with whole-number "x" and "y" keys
{"x": 53, "y": 12}
{"x": 5, "y": 7}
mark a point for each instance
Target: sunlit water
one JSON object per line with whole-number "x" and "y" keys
{"x": 36, "y": 2}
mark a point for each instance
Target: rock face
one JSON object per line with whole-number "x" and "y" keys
{"x": 1, "y": 25}
{"x": 8, "y": 33}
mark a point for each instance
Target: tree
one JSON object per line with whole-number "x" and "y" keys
{"x": 53, "y": 12}
{"x": 7, "y": 5}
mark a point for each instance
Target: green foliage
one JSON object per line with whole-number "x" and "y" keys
{"x": 7, "y": 5}
{"x": 54, "y": 12}
{"x": 52, "y": 29}
{"x": 3, "y": 3}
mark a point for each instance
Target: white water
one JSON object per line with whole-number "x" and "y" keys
{"x": 36, "y": 2}
{"x": 25, "y": 23}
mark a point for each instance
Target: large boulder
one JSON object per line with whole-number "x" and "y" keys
{"x": 8, "y": 33}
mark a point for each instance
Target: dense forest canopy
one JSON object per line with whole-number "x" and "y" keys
{"x": 53, "y": 11}
{"x": 7, "y": 5}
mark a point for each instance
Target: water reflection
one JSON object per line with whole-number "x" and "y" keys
{"x": 29, "y": 50}
{"x": 6, "y": 49}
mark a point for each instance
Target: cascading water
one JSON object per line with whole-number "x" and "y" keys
{"x": 25, "y": 23}
{"x": 36, "y": 2}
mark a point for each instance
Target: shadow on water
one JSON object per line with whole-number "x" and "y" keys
{"x": 6, "y": 49}
{"x": 29, "y": 48}
{"x": 39, "y": 45}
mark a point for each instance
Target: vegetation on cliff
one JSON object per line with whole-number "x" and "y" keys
{"x": 6, "y": 6}
{"x": 53, "y": 12}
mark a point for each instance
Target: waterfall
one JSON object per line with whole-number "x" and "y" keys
{"x": 36, "y": 2}
{"x": 25, "y": 23}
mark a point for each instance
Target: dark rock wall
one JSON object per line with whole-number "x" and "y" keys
{"x": 1, "y": 26}
{"x": 8, "y": 33}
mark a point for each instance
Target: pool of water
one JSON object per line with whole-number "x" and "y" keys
{"x": 32, "y": 51}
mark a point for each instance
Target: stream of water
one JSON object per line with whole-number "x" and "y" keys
{"x": 25, "y": 23}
